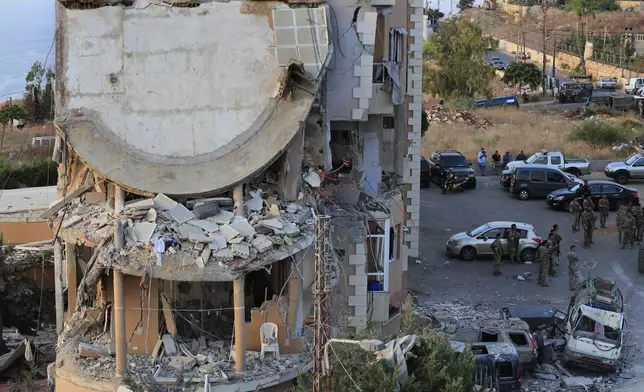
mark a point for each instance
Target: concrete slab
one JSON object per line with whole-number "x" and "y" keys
{"x": 181, "y": 214}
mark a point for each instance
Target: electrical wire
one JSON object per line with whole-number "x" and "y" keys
{"x": 341, "y": 364}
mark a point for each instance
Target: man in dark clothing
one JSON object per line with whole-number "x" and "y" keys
{"x": 584, "y": 190}
{"x": 507, "y": 157}
{"x": 496, "y": 160}
{"x": 521, "y": 156}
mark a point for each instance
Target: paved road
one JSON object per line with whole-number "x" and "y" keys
{"x": 438, "y": 278}
{"x": 509, "y": 59}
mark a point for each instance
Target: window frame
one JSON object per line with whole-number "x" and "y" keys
{"x": 384, "y": 253}
{"x": 532, "y": 179}
{"x": 562, "y": 178}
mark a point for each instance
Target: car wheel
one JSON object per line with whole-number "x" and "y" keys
{"x": 527, "y": 255}
{"x": 622, "y": 178}
{"x": 468, "y": 253}
{"x": 524, "y": 194}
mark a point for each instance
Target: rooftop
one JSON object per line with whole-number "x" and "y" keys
{"x": 27, "y": 199}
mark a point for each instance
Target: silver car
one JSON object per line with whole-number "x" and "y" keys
{"x": 468, "y": 245}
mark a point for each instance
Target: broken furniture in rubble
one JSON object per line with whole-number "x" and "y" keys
{"x": 268, "y": 336}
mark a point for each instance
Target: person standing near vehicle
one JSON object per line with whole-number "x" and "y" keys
{"x": 513, "y": 244}
{"x": 628, "y": 230}
{"x": 482, "y": 159}
{"x": 507, "y": 157}
{"x": 621, "y": 213}
{"x": 497, "y": 249}
{"x": 588, "y": 223}
{"x": 584, "y": 190}
{"x": 521, "y": 156}
{"x": 496, "y": 159}
{"x": 604, "y": 206}
{"x": 637, "y": 219}
{"x": 588, "y": 203}
{"x": 557, "y": 241}
{"x": 542, "y": 257}
{"x": 575, "y": 210}
{"x": 573, "y": 270}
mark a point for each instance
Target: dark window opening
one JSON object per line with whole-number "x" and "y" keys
{"x": 523, "y": 175}
{"x": 489, "y": 336}
{"x": 387, "y": 122}
{"x": 260, "y": 286}
{"x": 380, "y": 74}
{"x": 537, "y": 176}
{"x": 479, "y": 350}
{"x": 506, "y": 370}
{"x": 454, "y": 161}
{"x": 519, "y": 339}
{"x": 341, "y": 137}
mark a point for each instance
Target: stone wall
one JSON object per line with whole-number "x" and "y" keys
{"x": 594, "y": 68}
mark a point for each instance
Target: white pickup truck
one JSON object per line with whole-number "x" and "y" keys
{"x": 577, "y": 167}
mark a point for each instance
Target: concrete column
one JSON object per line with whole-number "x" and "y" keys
{"x": 238, "y": 199}
{"x": 119, "y": 325}
{"x": 72, "y": 283}
{"x": 290, "y": 177}
{"x": 58, "y": 281}
{"x": 119, "y": 199}
{"x": 295, "y": 305}
{"x": 240, "y": 325}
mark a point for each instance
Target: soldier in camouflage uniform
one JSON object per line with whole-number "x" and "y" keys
{"x": 513, "y": 243}
{"x": 573, "y": 270}
{"x": 542, "y": 257}
{"x": 604, "y": 206}
{"x": 554, "y": 239}
{"x": 640, "y": 233}
{"x": 575, "y": 210}
{"x": 588, "y": 203}
{"x": 497, "y": 250}
{"x": 621, "y": 212}
{"x": 638, "y": 214}
{"x": 587, "y": 221}
{"x": 628, "y": 230}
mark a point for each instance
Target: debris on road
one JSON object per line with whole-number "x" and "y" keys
{"x": 439, "y": 114}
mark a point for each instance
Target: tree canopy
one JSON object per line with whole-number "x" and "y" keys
{"x": 457, "y": 49}
{"x": 522, "y": 74}
{"x": 38, "y": 101}
{"x": 434, "y": 14}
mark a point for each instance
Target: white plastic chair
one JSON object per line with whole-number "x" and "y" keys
{"x": 268, "y": 336}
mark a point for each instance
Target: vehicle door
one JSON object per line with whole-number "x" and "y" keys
{"x": 484, "y": 241}
{"x": 521, "y": 341}
{"x": 435, "y": 165}
{"x": 555, "y": 180}
{"x": 537, "y": 185}
{"x": 595, "y": 193}
{"x": 613, "y": 194}
{"x": 556, "y": 161}
{"x": 637, "y": 169}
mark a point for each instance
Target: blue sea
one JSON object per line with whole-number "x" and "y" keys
{"x": 26, "y": 35}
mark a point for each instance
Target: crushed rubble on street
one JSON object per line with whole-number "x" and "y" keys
{"x": 439, "y": 114}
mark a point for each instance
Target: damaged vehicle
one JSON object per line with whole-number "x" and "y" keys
{"x": 594, "y": 325}
{"x": 497, "y": 365}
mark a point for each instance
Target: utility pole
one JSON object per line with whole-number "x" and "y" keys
{"x": 545, "y": 8}
{"x": 322, "y": 301}
{"x": 554, "y": 61}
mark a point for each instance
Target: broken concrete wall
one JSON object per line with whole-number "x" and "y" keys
{"x": 273, "y": 311}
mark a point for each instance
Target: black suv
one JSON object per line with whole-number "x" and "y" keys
{"x": 443, "y": 160}
{"x": 574, "y": 92}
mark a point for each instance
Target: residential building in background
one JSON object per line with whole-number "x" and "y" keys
{"x": 199, "y": 143}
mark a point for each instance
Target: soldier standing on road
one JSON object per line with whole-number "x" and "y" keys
{"x": 628, "y": 230}
{"x": 513, "y": 243}
{"x": 575, "y": 210}
{"x": 552, "y": 247}
{"x": 542, "y": 257}
{"x": 587, "y": 221}
{"x": 557, "y": 242}
{"x": 588, "y": 203}
{"x": 640, "y": 232}
{"x": 604, "y": 206}
{"x": 621, "y": 213}
{"x": 637, "y": 219}
{"x": 497, "y": 249}
{"x": 573, "y": 270}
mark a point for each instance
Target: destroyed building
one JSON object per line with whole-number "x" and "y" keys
{"x": 198, "y": 143}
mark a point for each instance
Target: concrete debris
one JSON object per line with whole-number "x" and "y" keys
{"x": 163, "y": 202}
{"x": 229, "y": 232}
{"x": 439, "y": 114}
{"x": 240, "y": 250}
{"x": 182, "y": 363}
{"x": 243, "y": 228}
{"x": 169, "y": 346}
{"x": 255, "y": 203}
{"x": 143, "y": 231}
{"x": 272, "y": 223}
{"x": 144, "y": 204}
{"x": 205, "y": 225}
{"x": 72, "y": 221}
{"x": 262, "y": 243}
{"x": 223, "y": 218}
{"x": 180, "y": 213}
{"x": 274, "y": 211}
{"x": 218, "y": 241}
{"x": 92, "y": 350}
{"x": 313, "y": 178}
{"x": 206, "y": 209}
{"x": 151, "y": 215}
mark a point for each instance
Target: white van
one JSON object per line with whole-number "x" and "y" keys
{"x": 633, "y": 85}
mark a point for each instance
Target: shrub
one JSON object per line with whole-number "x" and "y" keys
{"x": 32, "y": 173}
{"x": 600, "y": 134}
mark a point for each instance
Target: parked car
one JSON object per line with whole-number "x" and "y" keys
{"x": 443, "y": 160}
{"x": 606, "y": 82}
{"x": 513, "y": 331}
{"x": 470, "y": 244}
{"x": 633, "y": 85}
{"x": 574, "y": 92}
{"x": 538, "y": 181}
{"x": 617, "y": 195}
{"x": 500, "y": 65}
{"x": 506, "y": 100}
{"x": 494, "y": 59}
{"x": 575, "y": 166}
{"x": 425, "y": 173}
{"x": 622, "y": 172}
{"x": 506, "y": 178}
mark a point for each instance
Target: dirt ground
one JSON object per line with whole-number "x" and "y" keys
{"x": 512, "y": 130}
{"x": 18, "y": 141}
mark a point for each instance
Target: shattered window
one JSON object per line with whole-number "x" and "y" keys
{"x": 518, "y": 339}
{"x": 488, "y": 336}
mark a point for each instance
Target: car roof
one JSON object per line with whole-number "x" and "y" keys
{"x": 510, "y": 223}
{"x": 497, "y": 347}
{"x": 538, "y": 166}
{"x": 604, "y": 182}
{"x": 449, "y": 153}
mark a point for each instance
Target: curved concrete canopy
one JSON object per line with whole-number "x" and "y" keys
{"x": 182, "y": 100}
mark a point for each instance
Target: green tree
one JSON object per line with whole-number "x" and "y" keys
{"x": 522, "y": 74}
{"x": 458, "y": 49}
{"x": 39, "y": 101}
{"x": 434, "y": 15}
{"x": 600, "y": 134}
{"x": 465, "y": 4}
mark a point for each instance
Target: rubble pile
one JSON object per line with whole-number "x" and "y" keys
{"x": 439, "y": 114}
{"x": 180, "y": 362}
{"x": 548, "y": 378}
{"x": 200, "y": 232}
{"x": 450, "y": 317}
